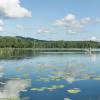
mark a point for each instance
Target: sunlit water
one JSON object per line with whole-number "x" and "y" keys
{"x": 29, "y": 75}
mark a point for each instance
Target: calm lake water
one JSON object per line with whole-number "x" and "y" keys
{"x": 31, "y": 75}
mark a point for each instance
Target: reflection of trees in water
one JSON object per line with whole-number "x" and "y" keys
{"x": 11, "y": 53}
{"x": 17, "y": 53}
{"x": 93, "y": 56}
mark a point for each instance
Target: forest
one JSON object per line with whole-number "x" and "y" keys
{"x": 22, "y": 42}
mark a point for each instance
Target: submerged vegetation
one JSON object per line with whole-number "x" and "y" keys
{"x": 21, "y": 42}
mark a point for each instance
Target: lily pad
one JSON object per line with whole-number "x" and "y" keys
{"x": 74, "y": 90}
{"x": 50, "y": 88}
{"x": 67, "y": 99}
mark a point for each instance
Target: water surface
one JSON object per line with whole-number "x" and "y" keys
{"x": 36, "y": 75}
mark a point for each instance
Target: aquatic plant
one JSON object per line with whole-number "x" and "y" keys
{"x": 53, "y": 87}
{"x": 97, "y": 78}
{"x": 74, "y": 90}
{"x": 67, "y": 99}
{"x": 11, "y": 98}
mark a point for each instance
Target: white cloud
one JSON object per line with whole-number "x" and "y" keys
{"x": 23, "y": 27}
{"x": 13, "y": 9}
{"x": 97, "y": 20}
{"x": 86, "y": 20}
{"x": 70, "y": 17}
{"x": 59, "y": 23}
{"x": 1, "y": 22}
{"x": 45, "y": 30}
{"x": 1, "y": 26}
{"x": 70, "y": 22}
{"x": 93, "y": 38}
{"x": 71, "y": 31}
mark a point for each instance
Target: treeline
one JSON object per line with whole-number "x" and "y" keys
{"x": 21, "y": 42}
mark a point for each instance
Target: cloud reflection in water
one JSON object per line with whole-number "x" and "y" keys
{"x": 12, "y": 88}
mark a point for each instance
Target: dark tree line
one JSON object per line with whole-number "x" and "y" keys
{"x": 21, "y": 42}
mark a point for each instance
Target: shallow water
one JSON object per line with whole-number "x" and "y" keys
{"x": 31, "y": 75}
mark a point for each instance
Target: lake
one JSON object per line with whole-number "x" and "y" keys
{"x": 46, "y": 75}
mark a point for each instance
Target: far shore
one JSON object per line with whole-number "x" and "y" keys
{"x": 57, "y": 49}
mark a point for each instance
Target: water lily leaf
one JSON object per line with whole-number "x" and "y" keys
{"x": 74, "y": 90}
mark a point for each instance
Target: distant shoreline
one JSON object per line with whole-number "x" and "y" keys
{"x": 55, "y": 49}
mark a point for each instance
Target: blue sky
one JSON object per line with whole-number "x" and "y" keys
{"x": 51, "y": 19}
